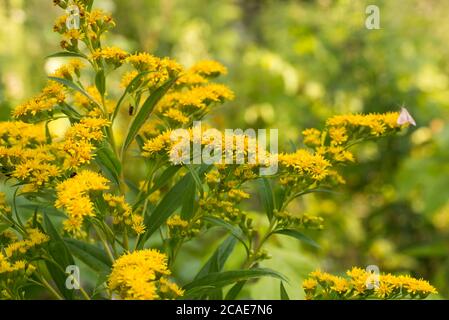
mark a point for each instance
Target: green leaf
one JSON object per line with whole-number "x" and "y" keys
{"x": 221, "y": 279}
{"x": 127, "y": 90}
{"x": 267, "y": 197}
{"x": 89, "y": 5}
{"x": 74, "y": 116}
{"x": 171, "y": 201}
{"x": 4, "y": 226}
{"x": 62, "y": 259}
{"x": 188, "y": 205}
{"x": 235, "y": 290}
{"x": 46, "y": 208}
{"x": 91, "y": 255}
{"x": 159, "y": 182}
{"x": 235, "y": 231}
{"x": 145, "y": 111}
{"x": 196, "y": 178}
{"x": 64, "y": 54}
{"x": 164, "y": 178}
{"x": 72, "y": 85}
{"x": 108, "y": 162}
{"x": 100, "y": 82}
{"x": 197, "y": 292}
{"x": 297, "y": 235}
{"x": 218, "y": 259}
{"x": 313, "y": 191}
{"x": 284, "y": 294}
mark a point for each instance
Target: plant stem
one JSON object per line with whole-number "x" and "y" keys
{"x": 50, "y": 288}
{"x": 105, "y": 244}
{"x": 125, "y": 239}
{"x": 252, "y": 258}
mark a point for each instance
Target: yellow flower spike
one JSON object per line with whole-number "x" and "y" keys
{"x": 208, "y": 68}
{"x": 312, "y": 137}
{"x": 386, "y": 286}
{"x": 73, "y": 197}
{"x": 112, "y": 55}
{"x": 139, "y": 276}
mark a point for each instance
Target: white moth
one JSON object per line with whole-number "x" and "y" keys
{"x": 405, "y": 117}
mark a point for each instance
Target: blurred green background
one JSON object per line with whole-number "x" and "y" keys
{"x": 292, "y": 64}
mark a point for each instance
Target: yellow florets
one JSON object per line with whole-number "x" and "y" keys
{"x": 73, "y": 195}
{"x": 122, "y": 213}
{"x": 111, "y": 55}
{"x": 209, "y": 68}
{"x": 364, "y": 285}
{"x": 141, "y": 276}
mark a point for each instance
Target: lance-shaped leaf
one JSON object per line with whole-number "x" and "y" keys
{"x": 91, "y": 255}
{"x": 145, "y": 111}
{"x": 221, "y": 279}
{"x": 171, "y": 201}
{"x": 108, "y": 162}
{"x": 284, "y": 294}
{"x": 218, "y": 259}
{"x": 72, "y": 85}
{"x": 298, "y": 235}
{"x": 267, "y": 197}
{"x": 235, "y": 231}
{"x": 62, "y": 259}
{"x": 128, "y": 89}
{"x": 65, "y": 54}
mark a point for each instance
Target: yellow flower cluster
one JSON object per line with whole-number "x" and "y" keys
{"x": 176, "y": 116}
{"x": 362, "y": 284}
{"x": 157, "y": 144}
{"x": 34, "y": 238}
{"x": 127, "y": 78}
{"x": 78, "y": 144}
{"x": 12, "y": 256}
{"x": 92, "y": 25}
{"x": 176, "y": 222}
{"x": 285, "y": 220}
{"x": 238, "y": 148}
{"x": 158, "y": 70}
{"x": 181, "y": 229}
{"x": 305, "y": 167}
{"x": 196, "y": 98}
{"x": 36, "y": 167}
{"x": 122, "y": 213}
{"x": 52, "y": 95}
{"x": 208, "y": 68}
{"x": 73, "y": 195}
{"x": 24, "y": 154}
{"x": 306, "y": 164}
{"x": 111, "y": 55}
{"x": 70, "y": 70}
{"x": 376, "y": 124}
{"x": 200, "y": 72}
{"x": 20, "y": 134}
{"x": 141, "y": 275}
{"x": 6, "y": 266}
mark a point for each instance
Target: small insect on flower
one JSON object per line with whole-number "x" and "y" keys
{"x": 131, "y": 110}
{"x": 405, "y": 117}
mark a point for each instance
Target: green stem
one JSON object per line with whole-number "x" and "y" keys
{"x": 51, "y": 289}
{"x": 252, "y": 258}
{"x": 105, "y": 244}
{"x": 125, "y": 239}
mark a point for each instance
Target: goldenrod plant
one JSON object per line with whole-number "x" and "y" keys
{"x": 362, "y": 284}
{"x": 74, "y": 204}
